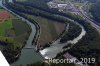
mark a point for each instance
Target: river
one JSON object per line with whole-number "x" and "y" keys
{"x": 29, "y": 55}
{"x": 57, "y": 47}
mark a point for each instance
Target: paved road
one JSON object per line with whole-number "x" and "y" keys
{"x": 88, "y": 19}
{"x": 85, "y": 17}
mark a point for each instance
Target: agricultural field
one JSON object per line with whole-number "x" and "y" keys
{"x": 49, "y": 29}
{"x": 21, "y": 30}
{"x": 4, "y": 25}
{"x": 13, "y": 34}
{"x": 12, "y": 29}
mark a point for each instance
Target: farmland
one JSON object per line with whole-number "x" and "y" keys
{"x": 49, "y": 29}
{"x": 21, "y": 30}
{"x": 13, "y": 35}
{"x": 5, "y": 25}
{"x": 13, "y": 27}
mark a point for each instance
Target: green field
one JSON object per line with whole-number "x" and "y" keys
{"x": 4, "y": 25}
{"x": 1, "y": 9}
{"x": 21, "y": 30}
{"x": 14, "y": 31}
{"x": 19, "y": 27}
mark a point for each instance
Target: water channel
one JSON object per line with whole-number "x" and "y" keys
{"x": 30, "y": 55}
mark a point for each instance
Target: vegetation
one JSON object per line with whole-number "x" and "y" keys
{"x": 51, "y": 27}
{"x": 39, "y": 12}
{"x": 20, "y": 27}
{"x": 48, "y": 28}
{"x": 4, "y": 25}
{"x": 13, "y": 41}
{"x": 88, "y": 46}
{"x": 95, "y": 10}
{"x": 72, "y": 32}
{"x": 12, "y": 32}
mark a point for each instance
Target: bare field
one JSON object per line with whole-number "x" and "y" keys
{"x": 49, "y": 30}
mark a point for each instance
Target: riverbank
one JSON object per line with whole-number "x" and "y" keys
{"x": 53, "y": 50}
{"x": 78, "y": 38}
{"x": 27, "y": 55}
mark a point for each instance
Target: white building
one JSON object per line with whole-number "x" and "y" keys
{"x": 62, "y": 5}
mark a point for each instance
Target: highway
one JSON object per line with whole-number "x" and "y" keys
{"x": 86, "y": 18}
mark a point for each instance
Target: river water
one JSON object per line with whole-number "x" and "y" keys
{"x": 57, "y": 47}
{"x": 30, "y": 56}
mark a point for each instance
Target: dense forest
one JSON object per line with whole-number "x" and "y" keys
{"x": 88, "y": 46}
{"x": 72, "y": 32}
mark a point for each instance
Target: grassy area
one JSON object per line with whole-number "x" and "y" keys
{"x": 16, "y": 33}
{"x": 1, "y": 9}
{"x": 19, "y": 27}
{"x": 14, "y": 30}
{"x": 49, "y": 30}
{"x": 10, "y": 41}
{"x": 13, "y": 35}
{"x": 4, "y": 25}
{"x": 21, "y": 30}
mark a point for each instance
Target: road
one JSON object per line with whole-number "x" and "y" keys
{"x": 86, "y": 18}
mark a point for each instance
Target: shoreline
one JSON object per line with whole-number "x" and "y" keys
{"x": 27, "y": 21}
